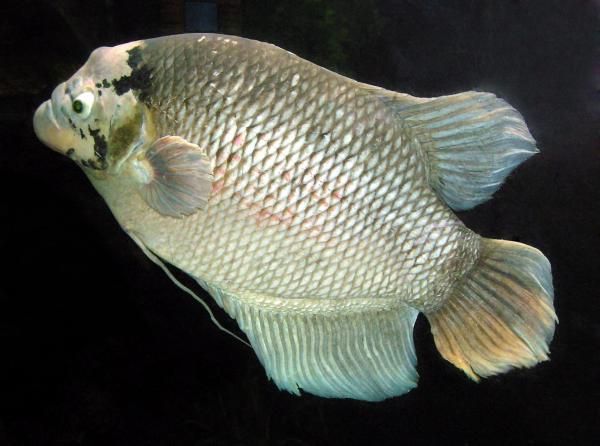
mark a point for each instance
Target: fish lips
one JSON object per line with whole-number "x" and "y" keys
{"x": 50, "y": 132}
{"x": 45, "y": 125}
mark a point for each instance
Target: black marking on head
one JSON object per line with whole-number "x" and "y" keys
{"x": 98, "y": 85}
{"x": 94, "y": 164}
{"x": 70, "y": 152}
{"x": 99, "y": 92}
{"x": 135, "y": 57}
{"x": 100, "y": 146}
{"x": 105, "y": 83}
{"x": 122, "y": 85}
{"x": 72, "y": 124}
{"x": 139, "y": 79}
{"x": 82, "y": 134}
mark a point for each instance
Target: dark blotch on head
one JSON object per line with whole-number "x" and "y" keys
{"x": 98, "y": 85}
{"x": 94, "y": 164}
{"x": 82, "y": 134}
{"x": 139, "y": 79}
{"x": 72, "y": 124}
{"x": 135, "y": 57}
{"x": 105, "y": 83}
{"x": 99, "y": 92}
{"x": 122, "y": 85}
{"x": 100, "y": 146}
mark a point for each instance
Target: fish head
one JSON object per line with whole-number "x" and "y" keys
{"x": 96, "y": 118}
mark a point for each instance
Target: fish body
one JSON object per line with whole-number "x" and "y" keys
{"x": 315, "y": 209}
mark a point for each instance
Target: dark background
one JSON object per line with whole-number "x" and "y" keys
{"x": 98, "y": 347}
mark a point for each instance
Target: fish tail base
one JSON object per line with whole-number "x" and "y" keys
{"x": 500, "y": 315}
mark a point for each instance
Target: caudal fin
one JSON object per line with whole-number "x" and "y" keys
{"x": 472, "y": 141}
{"x": 500, "y": 315}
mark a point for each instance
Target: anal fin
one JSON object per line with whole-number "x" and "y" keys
{"x": 360, "y": 353}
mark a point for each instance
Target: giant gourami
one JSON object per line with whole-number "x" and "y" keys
{"x": 316, "y": 210}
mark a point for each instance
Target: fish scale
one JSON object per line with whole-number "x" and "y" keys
{"x": 314, "y": 209}
{"x": 380, "y": 150}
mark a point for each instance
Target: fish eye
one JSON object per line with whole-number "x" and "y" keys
{"x": 77, "y": 106}
{"x": 82, "y": 104}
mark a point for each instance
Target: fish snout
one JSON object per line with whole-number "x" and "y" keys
{"x": 49, "y": 131}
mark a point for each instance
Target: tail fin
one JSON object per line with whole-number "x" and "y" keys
{"x": 500, "y": 314}
{"x": 472, "y": 140}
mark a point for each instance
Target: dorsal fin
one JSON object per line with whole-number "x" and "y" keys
{"x": 472, "y": 142}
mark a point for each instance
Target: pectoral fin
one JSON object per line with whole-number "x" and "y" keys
{"x": 175, "y": 176}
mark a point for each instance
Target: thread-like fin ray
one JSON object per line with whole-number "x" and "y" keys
{"x": 500, "y": 315}
{"x": 472, "y": 142}
{"x": 330, "y": 350}
{"x": 157, "y": 261}
{"x": 175, "y": 176}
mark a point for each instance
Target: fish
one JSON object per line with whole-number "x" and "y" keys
{"x": 316, "y": 210}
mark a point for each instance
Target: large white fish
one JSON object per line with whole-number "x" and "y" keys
{"x": 316, "y": 210}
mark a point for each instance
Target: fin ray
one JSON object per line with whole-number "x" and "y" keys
{"x": 500, "y": 314}
{"x": 365, "y": 354}
{"x": 471, "y": 140}
{"x": 175, "y": 177}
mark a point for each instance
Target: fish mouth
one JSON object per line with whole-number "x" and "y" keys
{"x": 46, "y": 127}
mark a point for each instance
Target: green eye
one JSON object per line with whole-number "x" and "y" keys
{"x": 77, "y": 106}
{"x": 82, "y": 104}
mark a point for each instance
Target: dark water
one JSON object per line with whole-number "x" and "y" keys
{"x": 98, "y": 347}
